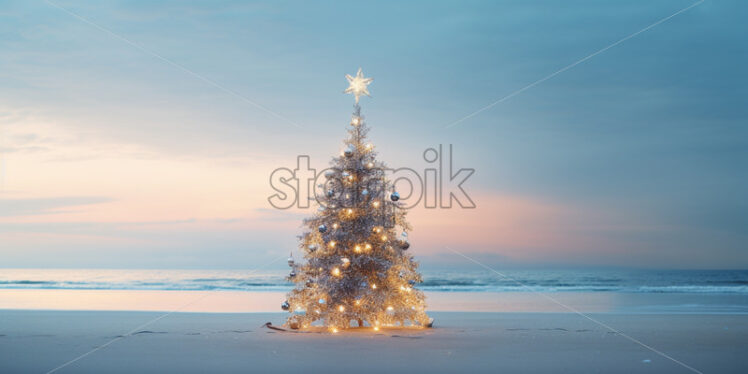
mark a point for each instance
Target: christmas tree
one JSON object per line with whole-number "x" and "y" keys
{"x": 357, "y": 270}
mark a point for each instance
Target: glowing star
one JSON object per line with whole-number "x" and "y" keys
{"x": 357, "y": 85}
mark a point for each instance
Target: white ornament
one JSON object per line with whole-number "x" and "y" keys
{"x": 348, "y": 151}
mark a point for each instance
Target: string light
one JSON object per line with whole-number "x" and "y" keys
{"x": 358, "y": 302}
{"x": 373, "y": 286}
{"x": 370, "y": 165}
{"x": 341, "y": 308}
{"x": 334, "y": 330}
{"x": 384, "y": 238}
{"x": 332, "y": 244}
{"x": 349, "y": 211}
{"x": 355, "y": 121}
{"x": 367, "y": 246}
{"x": 376, "y": 204}
{"x": 358, "y": 249}
{"x": 376, "y": 328}
{"x": 390, "y": 308}
{"x": 335, "y": 225}
{"x": 336, "y": 272}
{"x": 369, "y": 146}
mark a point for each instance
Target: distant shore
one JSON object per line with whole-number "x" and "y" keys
{"x": 40, "y": 341}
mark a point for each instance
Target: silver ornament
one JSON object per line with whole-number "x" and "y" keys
{"x": 293, "y": 274}
{"x": 395, "y": 196}
{"x": 321, "y": 301}
{"x": 312, "y": 247}
{"x": 348, "y": 151}
{"x": 345, "y": 174}
{"x": 285, "y": 305}
{"x": 290, "y": 261}
{"x": 329, "y": 174}
{"x": 365, "y": 192}
{"x": 411, "y": 282}
{"x": 322, "y": 228}
{"x": 404, "y": 245}
{"x": 330, "y": 193}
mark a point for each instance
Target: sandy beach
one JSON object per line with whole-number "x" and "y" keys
{"x": 40, "y": 341}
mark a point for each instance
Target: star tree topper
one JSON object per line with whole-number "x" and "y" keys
{"x": 357, "y": 85}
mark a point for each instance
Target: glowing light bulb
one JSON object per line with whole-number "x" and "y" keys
{"x": 370, "y": 165}
{"x": 332, "y": 244}
{"x": 355, "y": 121}
{"x": 335, "y": 225}
{"x": 369, "y": 146}
{"x": 334, "y": 330}
{"x": 358, "y": 302}
{"x": 373, "y": 286}
{"x": 390, "y": 308}
{"x": 341, "y": 308}
{"x": 349, "y": 211}
{"x": 347, "y": 196}
{"x": 358, "y": 248}
{"x": 367, "y": 246}
{"x": 376, "y": 204}
{"x": 376, "y": 328}
{"x": 384, "y": 237}
{"x": 336, "y": 272}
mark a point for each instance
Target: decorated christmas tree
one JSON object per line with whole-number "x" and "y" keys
{"x": 357, "y": 269}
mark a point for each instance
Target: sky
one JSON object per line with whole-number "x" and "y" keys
{"x": 142, "y": 135}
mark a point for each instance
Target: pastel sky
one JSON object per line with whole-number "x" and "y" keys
{"x": 131, "y": 133}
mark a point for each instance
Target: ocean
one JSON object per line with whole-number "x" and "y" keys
{"x": 546, "y": 281}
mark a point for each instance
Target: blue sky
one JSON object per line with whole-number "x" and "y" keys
{"x": 113, "y": 156}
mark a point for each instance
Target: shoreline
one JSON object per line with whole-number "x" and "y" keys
{"x": 269, "y": 301}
